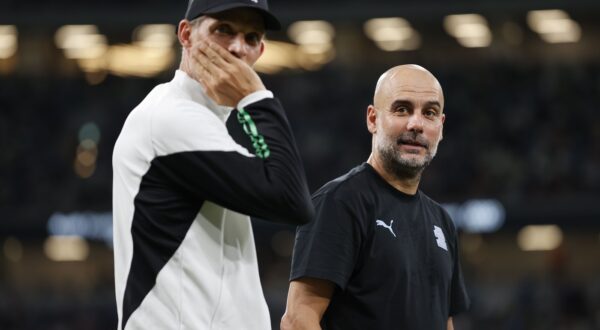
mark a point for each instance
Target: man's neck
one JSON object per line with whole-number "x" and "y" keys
{"x": 184, "y": 65}
{"x": 408, "y": 185}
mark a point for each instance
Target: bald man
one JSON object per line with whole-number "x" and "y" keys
{"x": 380, "y": 254}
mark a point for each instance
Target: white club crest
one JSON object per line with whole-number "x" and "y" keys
{"x": 440, "y": 239}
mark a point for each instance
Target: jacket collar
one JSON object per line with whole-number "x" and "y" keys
{"x": 196, "y": 92}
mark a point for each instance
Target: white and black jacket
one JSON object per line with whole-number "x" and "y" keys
{"x": 183, "y": 191}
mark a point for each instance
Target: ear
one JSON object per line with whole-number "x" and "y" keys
{"x": 184, "y": 33}
{"x": 372, "y": 119}
{"x": 442, "y": 132}
{"x": 262, "y": 47}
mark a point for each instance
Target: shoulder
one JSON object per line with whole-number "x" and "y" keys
{"x": 355, "y": 189}
{"x": 167, "y": 105}
{"x": 180, "y": 124}
{"x": 347, "y": 184}
{"x": 172, "y": 106}
{"x": 439, "y": 211}
{"x": 428, "y": 201}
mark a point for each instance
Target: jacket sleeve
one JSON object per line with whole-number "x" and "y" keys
{"x": 199, "y": 158}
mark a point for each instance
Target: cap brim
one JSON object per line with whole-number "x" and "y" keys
{"x": 271, "y": 22}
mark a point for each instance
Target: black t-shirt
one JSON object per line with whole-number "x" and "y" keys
{"x": 393, "y": 256}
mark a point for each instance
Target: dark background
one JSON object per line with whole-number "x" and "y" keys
{"x": 522, "y": 129}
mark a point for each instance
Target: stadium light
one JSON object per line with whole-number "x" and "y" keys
{"x": 392, "y": 34}
{"x": 90, "y": 225}
{"x": 87, "y": 150}
{"x": 140, "y": 61}
{"x": 85, "y": 163}
{"x": 554, "y": 26}
{"x": 89, "y": 131}
{"x": 477, "y": 215}
{"x": 154, "y": 35}
{"x": 470, "y": 30}
{"x": 315, "y": 43}
{"x": 276, "y": 57}
{"x": 280, "y": 55}
{"x": 66, "y": 248}
{"x": 311, "y": 32}
{"x": 81, "y": 41}
{"x": 150, "y": 53}
{"x": 8, "y": 41}
{"x": 539, "y": 237}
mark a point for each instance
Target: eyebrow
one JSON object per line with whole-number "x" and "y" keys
{"x": 408, "y": 103}
{"x": 432, "y": 104}
{"x": 399, "y": 103}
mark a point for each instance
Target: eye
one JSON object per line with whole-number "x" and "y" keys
{"x": 224, "y": 29}
{"x": 430, "y": 113}
{"x": 401, "y": 110}
{"x": 253, "y": 39}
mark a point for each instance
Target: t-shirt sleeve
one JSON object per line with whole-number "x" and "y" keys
{"x": 459, "y": 299}
{"x": 328, "y": 247}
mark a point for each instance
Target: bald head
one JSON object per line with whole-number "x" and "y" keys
{"x": 409, "y": 78}
{"x": 406, "y": 121}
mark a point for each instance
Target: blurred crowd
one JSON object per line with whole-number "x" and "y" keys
{"x": 511, "y": 132}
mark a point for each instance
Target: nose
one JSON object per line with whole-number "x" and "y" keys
{"x": 415, "y": 122}
{"x": 237, "y": 46}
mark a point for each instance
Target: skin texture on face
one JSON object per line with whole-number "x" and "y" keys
{"x": 406, "y": 120}
{"x": 240, "y": 31}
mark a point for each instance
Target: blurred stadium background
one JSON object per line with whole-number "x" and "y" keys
{"x": 519, "y": 167}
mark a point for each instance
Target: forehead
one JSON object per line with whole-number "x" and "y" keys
{"x": 416, "y": 88}
{"x": 246, "y": 18}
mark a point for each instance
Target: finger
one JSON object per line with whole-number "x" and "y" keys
{"x": 202, "y": 68}
{"x": 205, "y": 62}
{"x": 208, "y": 83}
{"x": 204, "y": 78}
{"x": 205, "y": 75}
{"x": 218, "y": 66}
{"x": 218, "y": 55}
{"x": 200, "y": 55}
{"x": 219, "y": 51}
{"x": 204, "y": 47}
{"x": 208, "y": 75}
{"x": 229, "y": 64}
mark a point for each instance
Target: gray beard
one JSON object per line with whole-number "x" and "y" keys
{"x": 403, "y": 169}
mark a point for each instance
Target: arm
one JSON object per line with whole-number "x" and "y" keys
{"x": 324, "y": 257}
{"x": 459, "y": 299}
{"x": 307, "y": 301}
{"x": 205, "y": 162}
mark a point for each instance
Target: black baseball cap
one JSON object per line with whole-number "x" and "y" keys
{"x": 203, "y": 7}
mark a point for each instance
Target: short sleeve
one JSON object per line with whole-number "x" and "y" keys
{"x": 328, "y": 247}
{"x": 459, "y": 299}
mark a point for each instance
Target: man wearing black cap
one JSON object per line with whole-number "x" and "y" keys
{"x": 183, "y": 189}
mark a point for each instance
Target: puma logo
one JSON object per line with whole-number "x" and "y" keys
{"x": 382, "y": 224}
